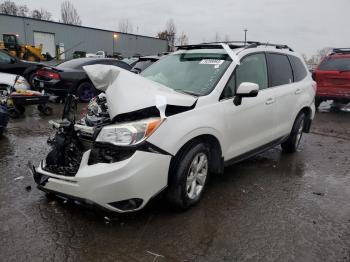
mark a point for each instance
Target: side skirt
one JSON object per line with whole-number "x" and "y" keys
{"x": 256, "y": 151}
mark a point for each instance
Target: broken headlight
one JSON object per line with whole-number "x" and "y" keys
{"x": 129, "y": 133}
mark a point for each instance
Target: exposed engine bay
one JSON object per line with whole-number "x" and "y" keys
{"x": 113, "y": 127}
{"x": 72, "y": 137}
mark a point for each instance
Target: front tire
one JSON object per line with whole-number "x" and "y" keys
{"x": 292, "y": 143}
{"x": 188, "y": 176}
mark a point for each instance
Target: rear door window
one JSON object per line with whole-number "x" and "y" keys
{"x": 280, "y": 70}
{"x": 335, "y": 64}
{"x": 299, "y": 69}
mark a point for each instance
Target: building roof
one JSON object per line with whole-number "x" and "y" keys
{"x": 87, "y": 27}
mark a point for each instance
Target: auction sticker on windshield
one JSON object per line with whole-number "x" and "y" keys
{"x": 211, "y": 62}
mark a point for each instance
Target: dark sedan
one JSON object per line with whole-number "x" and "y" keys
{"x": 144, "y": 62}
{"x": 71, "y": 77}
{"x": 12, "y": 65}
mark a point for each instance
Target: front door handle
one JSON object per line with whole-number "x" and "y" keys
{"x": 270, "y": 101}
{"x": 298, "y": 91}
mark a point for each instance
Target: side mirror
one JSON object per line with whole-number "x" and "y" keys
{"x": 245, "y": 89}
{"x": 12, "y": 60}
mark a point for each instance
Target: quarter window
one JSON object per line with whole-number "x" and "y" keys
{"x": 252, "y": 69}
{"x": 299, "y": 69}
{"x": 280, "y": 71}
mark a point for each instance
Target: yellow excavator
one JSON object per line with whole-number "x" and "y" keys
{"x": 26, "y": 52}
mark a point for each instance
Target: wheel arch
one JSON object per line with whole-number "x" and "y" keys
{"x": 215, "y": 150}
{"x": 30, "y": 70}
{"x": 308, "y": 115}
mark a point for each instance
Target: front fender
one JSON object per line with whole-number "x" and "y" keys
{"x": 178, "y": 129}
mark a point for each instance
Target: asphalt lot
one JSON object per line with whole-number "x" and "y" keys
{"x": 274, "y": 207}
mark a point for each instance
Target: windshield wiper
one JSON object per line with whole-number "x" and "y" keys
{"x": 187, "y": 92}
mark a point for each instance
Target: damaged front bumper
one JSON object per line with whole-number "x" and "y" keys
{"x": 120, "y": 187}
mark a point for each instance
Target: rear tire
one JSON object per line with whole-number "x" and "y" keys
{"x": 292, "y": 143}
{"x": 86, "y": 91}
{"x": 45, "y": 110}
{"x": 14, "y": 112}
{"x": 188, "y": 176}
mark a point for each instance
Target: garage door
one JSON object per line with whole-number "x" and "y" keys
{"x": 48, "y": 41}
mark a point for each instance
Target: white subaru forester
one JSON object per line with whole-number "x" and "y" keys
{"x": 184, "y": 118}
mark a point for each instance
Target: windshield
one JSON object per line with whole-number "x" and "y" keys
{"x": 194, "y": 73}
{"x": 336, "y": 64}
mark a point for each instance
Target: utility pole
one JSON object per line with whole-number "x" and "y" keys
{"x": 245, "y": 36}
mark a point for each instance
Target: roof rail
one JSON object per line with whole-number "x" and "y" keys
{"x": 233, "y": 44}
{"x": 340, "y": 51}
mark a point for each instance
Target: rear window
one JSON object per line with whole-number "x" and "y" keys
{"x": 142, "y": 65}
{"x": 299, "y": 69}
{"x": 280, "y": 71}
{"x": 335, "y": 64}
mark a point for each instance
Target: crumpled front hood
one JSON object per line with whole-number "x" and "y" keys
{"x": 127, "y": 92}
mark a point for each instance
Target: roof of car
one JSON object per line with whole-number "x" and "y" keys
{"x": 95, "y": 58}
{"x": 234, "y": 45}
{"x": 339, "y": 52}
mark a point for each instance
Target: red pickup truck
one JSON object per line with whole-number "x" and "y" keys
{"x": 333, "y": 77}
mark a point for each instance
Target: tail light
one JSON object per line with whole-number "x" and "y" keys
{"x": 48, "y": 74}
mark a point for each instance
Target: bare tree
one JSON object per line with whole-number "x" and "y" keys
{"x": 217, "y": 37}
{"x": 69, "y": 14}
{"x": 182, "y": 39}
{"x": 125, "y": 26}
{"x": 171, "y": 29}
{"x": 41, "y": 14}
{"x": 322, "y": 53}
{"x": 305, "y": 57}
{"x": 169, "y": 34}
{"x": 23, "y": 10}
{"x": 8, "y": 7}
{"x": 226, "y": 38}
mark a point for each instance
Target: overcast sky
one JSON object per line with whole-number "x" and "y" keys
{"x": 305, "y": 25}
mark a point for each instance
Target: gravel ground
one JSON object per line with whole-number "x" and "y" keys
{"x": 273, "y": 207}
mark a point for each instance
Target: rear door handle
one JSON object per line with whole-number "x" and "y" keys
{"x": 298, "y": 91}
{"x": 270, "y": 101}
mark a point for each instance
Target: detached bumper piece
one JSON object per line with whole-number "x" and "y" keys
{"x": 122, "y": 186}
{"x": 40, "y": 179}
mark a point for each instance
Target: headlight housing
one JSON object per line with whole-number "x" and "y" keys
{"x": 128, "y": 134}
